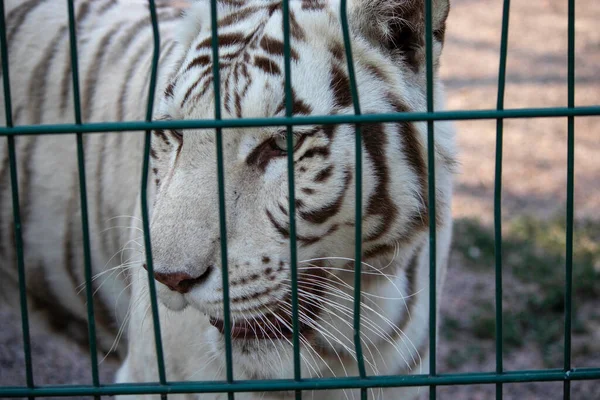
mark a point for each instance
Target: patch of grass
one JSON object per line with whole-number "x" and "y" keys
{"x": 534, "y": 253}
{"x": 458, "y": 357}
{"x": 483, "y": 325}
{"x": 451, "y": 328}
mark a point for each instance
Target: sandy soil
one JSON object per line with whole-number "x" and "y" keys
{"x": 534, "y": 177}
{"x": 535, "y": 153}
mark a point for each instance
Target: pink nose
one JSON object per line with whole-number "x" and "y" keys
{"x": 180, "y": 282}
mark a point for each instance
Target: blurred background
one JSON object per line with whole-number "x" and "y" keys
{"x": 533, "y": 198}
{"x": 533, "y": 204}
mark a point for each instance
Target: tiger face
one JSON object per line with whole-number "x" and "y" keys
{"x": 185, "y": 226}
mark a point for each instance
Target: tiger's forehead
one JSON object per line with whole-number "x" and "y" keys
{"x": 251, "y": 63}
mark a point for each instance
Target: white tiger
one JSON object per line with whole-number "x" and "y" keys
{"x": 115, "y": 52}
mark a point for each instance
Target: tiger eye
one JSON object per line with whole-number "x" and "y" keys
{"x": 282, "y": 144}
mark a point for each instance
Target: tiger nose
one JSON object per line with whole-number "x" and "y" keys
{"x": 180, "y": 282}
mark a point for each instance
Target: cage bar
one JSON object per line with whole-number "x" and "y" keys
{"x": 298, "y": 384}
{"x": 548, "y": 375}
{"x": 83, "y": 196}
{"x": 160, "y": 362}
{"x": 458, "y": 115}
{"x": 358, "y": 197}
{"x": 221, "y": 186}
{"x": 570, "y": 196}
{"x": 498, "y": 196}
{"x": 17, "y": 228}
{"x": 289, "y": 100}
{"x": 431, "y": 195}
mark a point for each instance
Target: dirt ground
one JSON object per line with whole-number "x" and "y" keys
{"x": 534, "y": 186}
{"x": 534, "y": 166}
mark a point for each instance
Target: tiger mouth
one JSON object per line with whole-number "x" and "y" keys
{"x": 277, "y": 324}
{"x": 267, "y": 327}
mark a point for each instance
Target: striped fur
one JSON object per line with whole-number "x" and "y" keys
{"x": 115, "y": 51}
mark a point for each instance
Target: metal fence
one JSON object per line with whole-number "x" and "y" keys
{"x": 433, "y": 379}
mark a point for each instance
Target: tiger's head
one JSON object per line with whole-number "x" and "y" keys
{"x": 389, "y": 59}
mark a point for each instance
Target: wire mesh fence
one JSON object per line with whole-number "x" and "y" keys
{"x": 298, "y": 383}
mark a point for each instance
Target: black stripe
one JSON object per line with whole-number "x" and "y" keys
{"x": 380, "y": 203}
{"x": 27, "y": 161}
{"x": 106, "y": 6}
{"x": 100, "y": 206}
{"x": 340, "y": 86}
{"x": 133, "y": 67}
{"x": 69, "y": 240}
{"x": 325, "y": 213}
{"x": 91, "y": 80}
{"x": 207, "y": 85}
{"x": 129, "y": 35}
{"x": 39, "y": 79}
{"x": 237, "y": 16}
{"x": 415, "y": 156}
{"x": 275, "y": 47}
{"x": 324, "y": 174}
{"x": 283, "y": 231}
{"x": 16, "y": 17}
{"x": 267, "y": 65}
{"x": 200, "y": 61}
{"x": 161, "y": 135}
{"x": 73, "y": 240}
{"x": 225, "y": 40}
{"x": 66, "y": 80}
{"x": 61, "y": 319}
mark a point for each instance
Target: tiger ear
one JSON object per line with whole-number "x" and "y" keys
{"x": 399, "y": 26}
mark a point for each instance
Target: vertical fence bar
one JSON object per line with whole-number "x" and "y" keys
{"x": 431, "y": 195}
{"x": 144, "y": 199}
{"x": 15, "y": 202}
{"x": 498, "y": 196}
{"x": 292, "y": 192}
{"x": 570, "y": 197}
{"x": 358, "y": 194}
{"x": 83, "y": 198}
{"x": 221, "y": 184}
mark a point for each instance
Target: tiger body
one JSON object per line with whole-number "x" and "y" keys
{"x": 184, "y": 197}
{"x": 40, "y": 73}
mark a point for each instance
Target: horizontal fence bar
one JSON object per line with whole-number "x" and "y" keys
{"x": 308, "y": 384}
{"x": 58, "y": 129}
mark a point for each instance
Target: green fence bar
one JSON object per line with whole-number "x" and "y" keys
{"x": 570, "y": 195}
{"x": 498, "y": 196}
{"x": 289, "y": 101}
{"x": 358, "y": 198}
{"x": 309, "y": 384}
{"x": 465, "y": 115}
{"x": 431, "y": 195}
{"x": 298, "y": 384}
{"x": 144, "y": 200}
{"x": 221, "y": 183}
{"x": 89, "y": 291}
{"x": 17, "y": 228}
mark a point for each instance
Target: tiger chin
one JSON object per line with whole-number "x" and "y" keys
{"x": 389, "y": 58}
